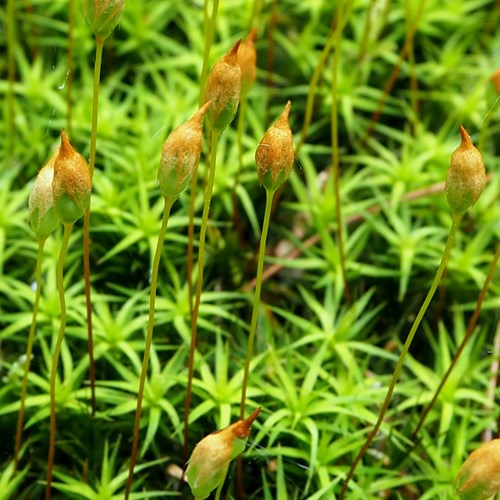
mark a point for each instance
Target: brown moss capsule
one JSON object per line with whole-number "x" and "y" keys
{"x": 42, "y": 214}
{"x": 102, "y": 15}
{"x": 466, "y": 176}
{"x": 72, "y": 184}
{"x": 180, "y": 155}
{"x": 275, "y": 156}
{"x": 479, "y": 476}
{"x": 211, "y": 457}
{"x": 223, "y": 90}
{"x": 247, "y": 60}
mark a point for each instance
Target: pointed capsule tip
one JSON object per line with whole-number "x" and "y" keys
{"x": 65, "y": 144}
{"x": 283, "y": 119}
{"x": 200, "y": 114}
{"x": 234, "y": 48}
{"x": 464, "y": 135}
{"x": 205, "y": 107}
{"x": 241, "y": 428}
{"x": 232, "y": 56}
{"x": 251, "y": 418}
{"x": 252, "y": 36}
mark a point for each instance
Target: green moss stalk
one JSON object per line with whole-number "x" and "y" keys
{"x": 313, "y": 85}
{"x": 223, "y": 95}
{"x": 196, "y": 307}
{"x": 209, "y": 23}
{"x": 256, "y": 298}
{"x": 55, "y": 358}
{"x": 11, "y": 74}
{"x": 404, "y": 352}
{"x": 247, "y": 60}
{"x": 468, "y": 334}
{"x": 86, "y": 220}
{"x": 464, "y": 184}
{"x": 485, "y": 129}
{"x": 43, "y": 219}
{"x": 274, "y": 159}
{"x": 71, "y": 186}
{"x": 99, "y": 42}
{"x": 335, "y": 148}
{"x": 69, "y": 65}
{"x": 102, "y": 17}
{"x": 29, "y": 350}
{"x": 149, "y": 340}
{"x": 179, "y": 159}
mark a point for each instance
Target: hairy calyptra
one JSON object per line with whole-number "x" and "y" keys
{"x": 275, "y": 156}
{"x": 223, "y": 90}
{"x": 180, "y": 155}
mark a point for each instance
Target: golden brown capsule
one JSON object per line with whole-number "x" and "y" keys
{"x": 211, "y": 457}
{"x": 102, "y": 15}
{"x": 466, "y": 176}
{"x": 479, "y": 476}
{"x": 223, "y": 90}
{"x": 275, "y": 156}
{"x": 72, "y": 184}
{"x": 181, "y": 154}
{"x": 247, "y": 60}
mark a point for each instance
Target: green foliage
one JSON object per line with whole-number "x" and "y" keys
{"x": 321, "y": 366}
